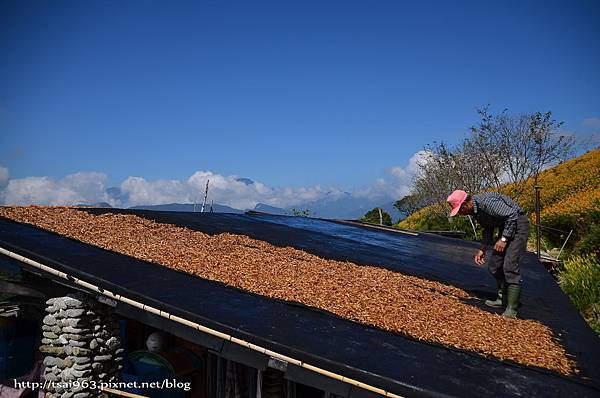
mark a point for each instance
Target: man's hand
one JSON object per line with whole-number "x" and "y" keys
{"x": 499, "y": 246}
{"x": 480, "y": 257}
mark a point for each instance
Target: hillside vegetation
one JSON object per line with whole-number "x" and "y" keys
{"x": 570, "y": 196}
{"x": 570, "y": 208}
{"x": 569, "y": 188}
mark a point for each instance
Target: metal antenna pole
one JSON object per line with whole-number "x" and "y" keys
{"x": 205, "y": 195}
{"x": 537, "y": 221}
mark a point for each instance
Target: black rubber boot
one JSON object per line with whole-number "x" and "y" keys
{"x": 513, "y": 293}
{"x": 501, "y": 299}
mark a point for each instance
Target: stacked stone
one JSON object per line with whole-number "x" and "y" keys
{"x": 82, "y": 347}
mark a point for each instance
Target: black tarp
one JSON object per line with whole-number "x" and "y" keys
{"x": 386, "y": 360}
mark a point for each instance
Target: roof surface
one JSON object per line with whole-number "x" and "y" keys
{"x": 386, "y": 360}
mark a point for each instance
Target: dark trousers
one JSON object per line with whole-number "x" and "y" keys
{"x": 505, "y": 265}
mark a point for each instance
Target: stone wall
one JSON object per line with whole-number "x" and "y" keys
{"x": 82, "y": 346}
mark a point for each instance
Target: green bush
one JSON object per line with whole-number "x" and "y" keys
{"x": 563, "y": 222}
{"x": 301, "y": 212}
{"x": 580, "y": 280}
{"x": 434, "y": 221}
{"x": 586, "y": 230}
{"x": 435, "y": 218}
{"x": 373, "y": 217}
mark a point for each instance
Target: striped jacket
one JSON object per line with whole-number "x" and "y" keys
{"x": 494, "y": 210}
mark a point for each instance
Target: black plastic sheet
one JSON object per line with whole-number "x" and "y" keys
{"x": 382, "y": 359}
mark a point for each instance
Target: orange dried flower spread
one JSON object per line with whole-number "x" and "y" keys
{"x": 422, "y": 309}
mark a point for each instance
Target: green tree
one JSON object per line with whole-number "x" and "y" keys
{"x": 373, "y": 217}
{"x": 502, "y": 148}
{"x": 301, "y": 212}
{"x": 435, "y": 218}
{"x": 518, "y": 147}
{"x": 585, "y": 225}
{"x": 408, "y": 205}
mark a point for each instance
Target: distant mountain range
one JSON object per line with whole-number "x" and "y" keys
{"x": 346, "y": 206}
{"x": 332, "y": 205}
{"x": 263, "y": 208}
{"x": 316, "y": 209}
{"x": 217, "y": 208}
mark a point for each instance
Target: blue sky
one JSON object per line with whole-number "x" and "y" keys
{"x": 291, "y": 94}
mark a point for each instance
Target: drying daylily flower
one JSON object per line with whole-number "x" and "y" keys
{"x": 423, "y": 309}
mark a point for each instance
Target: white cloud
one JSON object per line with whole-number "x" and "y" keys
{"x": 406, "y": 174}
{"x": 3, "y": 177}
{"x": 230, "y": 190}
{"x": 227, "y": 190}
{"x": 400, "y": 183}
{"x": 138, "y": 191}
{"x": 590, "y": 138}
{"x": 84, "y": 187}
{"x": 91, "y": 188}
{"x": 592, "y": 122}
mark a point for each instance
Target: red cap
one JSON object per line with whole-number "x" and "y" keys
{"x": 456, "y": 199}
